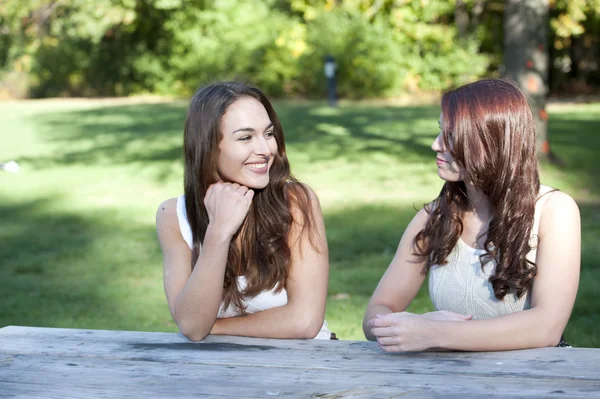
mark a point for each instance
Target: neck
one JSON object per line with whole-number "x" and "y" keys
{"x": 482, "y": 206}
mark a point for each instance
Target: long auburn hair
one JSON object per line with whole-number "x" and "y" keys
{"x": 263, "y": 254}
{"x": 493, "y": 138}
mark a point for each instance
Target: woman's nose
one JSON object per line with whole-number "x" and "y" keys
{"x": 438, "y": 144}
{"x": 261, "y": 146}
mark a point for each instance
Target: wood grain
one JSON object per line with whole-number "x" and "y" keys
{"x": 65, "y": 363}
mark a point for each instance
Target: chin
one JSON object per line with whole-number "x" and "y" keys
{"x": 255, "y": 185}
{"x": 450, "y": 179}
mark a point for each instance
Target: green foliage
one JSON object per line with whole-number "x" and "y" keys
{"x": 436, "y": 58}
{"x": 575, "y": 38}
{"x": 366, "y": 55}
{"x": 570, "y": 16}
{"x": 382, "y": 47}
{"x": 114, "y": 47}
{"x": 228, "y": 40}
{"x": 84, "y": 48}
{"x": 405, "y": 49}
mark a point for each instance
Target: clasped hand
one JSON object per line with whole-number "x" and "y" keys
{"x": 227, "y": 205}
{"x": 408, "y": 332}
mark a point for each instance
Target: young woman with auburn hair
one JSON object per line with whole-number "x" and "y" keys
{"x": 244, "y": 249}
{"x": 502, "y": 251}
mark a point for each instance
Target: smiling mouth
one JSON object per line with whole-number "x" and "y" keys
{"x": 441, "y": 160}
{"x": 261, "y": 165}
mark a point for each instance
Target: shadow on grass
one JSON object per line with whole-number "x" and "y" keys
{"x": 141, "y": 134}
{"x": 151, "y": 134}
{"x": 61, "y": 269}
{"x": 37, "y": 253}
{"x": 355, "y": 133}
{"x": 584, "y": 325}
{"x": 362, "y": 242}
{"x": 574, "y": 137}
{"x": 146, "y": 134}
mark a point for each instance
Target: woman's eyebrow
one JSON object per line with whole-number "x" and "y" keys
{"x": 249, "y": 129}
{"x": 243, "y": 129}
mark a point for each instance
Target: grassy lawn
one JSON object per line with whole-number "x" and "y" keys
{"x": 78, "y": 246}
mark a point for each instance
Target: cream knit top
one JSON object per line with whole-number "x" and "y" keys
{"x": 462, "y": 286}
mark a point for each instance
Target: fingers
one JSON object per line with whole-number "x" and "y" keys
{"x": 235, "y": 188}
{"x": 386, "y": 336}
{"x": 379, "y": 321}
{"x": 383, "y": 331}
{"x": 221, "y": 186}
{"x": 386, "y": 341}
{"x": 390, "y": 348}
{"x": 209, "y": 191}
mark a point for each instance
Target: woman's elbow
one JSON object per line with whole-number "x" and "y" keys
{"x": 550, "y": 333}
{"x": 552, "y": 337}
{"x": 308, "y": 327}
{"x": 192, "y": 332}
{"x": 192, "y": 335}
{"x": 367, "y": 332}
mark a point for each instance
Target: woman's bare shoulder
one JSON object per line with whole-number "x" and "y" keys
{"x": 560, "y": 211}
{"x": 561, "y": 202}
{"x": 166, "y": 215}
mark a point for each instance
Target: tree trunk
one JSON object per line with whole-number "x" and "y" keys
{"x": 526, "y": 58}
{"x": 461, "y": 18}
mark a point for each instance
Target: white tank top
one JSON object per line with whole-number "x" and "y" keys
{"x": 263, "y": 301}
{"x": 461, "y": 286}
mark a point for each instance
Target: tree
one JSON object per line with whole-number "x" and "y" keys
{"x": 526, "y": 58}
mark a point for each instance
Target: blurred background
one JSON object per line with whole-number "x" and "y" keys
{"x": 93, "y": 97}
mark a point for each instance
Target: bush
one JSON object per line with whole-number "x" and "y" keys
{"x": 366, "y": 55}
{"x": 116, "y": 47}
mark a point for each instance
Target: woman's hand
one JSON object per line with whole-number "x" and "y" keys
{"x": 402, "y": 332}
{"x": 408, "y": 332}
{"x": 227, "y": 205}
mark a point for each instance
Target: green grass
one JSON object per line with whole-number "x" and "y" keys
{"x": 78, "y": 246}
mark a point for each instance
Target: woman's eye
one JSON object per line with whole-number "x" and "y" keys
{"x": 245, "y": 138}
{"x": 270, "y": 133}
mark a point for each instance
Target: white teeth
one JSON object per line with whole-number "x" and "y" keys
{"x": 257, "y": 165}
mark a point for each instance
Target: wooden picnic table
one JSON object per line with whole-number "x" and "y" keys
{"x": 69, "y": 363}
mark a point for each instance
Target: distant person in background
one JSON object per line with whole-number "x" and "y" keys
{"x": 502, "y": 251}
{"x": 244, "y": 250}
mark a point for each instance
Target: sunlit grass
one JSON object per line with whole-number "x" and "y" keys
{"x": 77, "y": 232}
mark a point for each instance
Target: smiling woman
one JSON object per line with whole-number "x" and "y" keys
{"x": 244, "y": 249}
{"x": 247, "y": 152}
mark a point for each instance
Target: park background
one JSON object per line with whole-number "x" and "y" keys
{"x": 93, "y": 99}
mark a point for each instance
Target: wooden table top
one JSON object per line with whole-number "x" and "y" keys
{"x": 68, "y": 363}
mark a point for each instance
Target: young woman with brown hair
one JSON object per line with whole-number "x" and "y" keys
{"x": 244, "y": 249}
{"x": 502, "y": 251}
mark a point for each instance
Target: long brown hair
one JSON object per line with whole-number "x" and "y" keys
{"x": 264, "y": 254}
{"x": 493, "y": 137}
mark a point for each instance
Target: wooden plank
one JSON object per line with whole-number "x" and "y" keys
{"x": 580, "y": 364}
{"x": 34, "y": 376}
